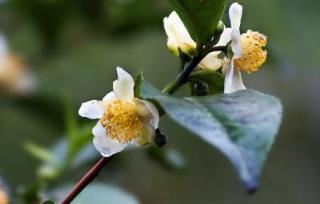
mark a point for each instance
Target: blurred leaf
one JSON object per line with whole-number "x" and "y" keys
{"x": 97, "y": 193}
{"x": 39, "y": 152}
{"x": 201, "y": 17}
{"x": 77, "y": 136}
{"x": 168, "y": 158}
{"x": 213, "y": 79}
{"x": 242, "y": 125}
{"x": 51, "y": 170}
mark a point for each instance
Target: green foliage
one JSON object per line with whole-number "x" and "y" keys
{"x": 65, "y": 152}
{"x": 214, "y": 80}
{"x": 241, "y": 125}
{"x": 201, "y": 17}
{"x": 29, "y": 194}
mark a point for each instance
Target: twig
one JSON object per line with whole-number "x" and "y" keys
{"x": 85, "y": 180}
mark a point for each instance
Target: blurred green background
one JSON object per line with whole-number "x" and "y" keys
{"x": 73, "y": 48}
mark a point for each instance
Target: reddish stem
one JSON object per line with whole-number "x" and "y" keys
{"x": 85, "y": 180}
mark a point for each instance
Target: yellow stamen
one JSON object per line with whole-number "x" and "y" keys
{"x": 121, "y": 121}
{"x": 253, "y": 54}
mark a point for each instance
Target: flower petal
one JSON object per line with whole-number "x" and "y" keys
{"x": 233, "y": 80}
{"x": 225, "y": 37}
{"x": 178, "y": 35}
{"x": 211, "y": 61}
{"x": 235, "y": 15}
{"x": 109, "y": 97}
{"x": 103, "y": 143}
{"x": 154, "y": 113}
{"x": 236, "y": 44}
{"x": 123, "y": 86}
{"x": 92, "y": 109}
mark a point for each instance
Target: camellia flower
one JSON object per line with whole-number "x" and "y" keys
{"x": 14, "y": 76}
{"x": 178, "y": 35}
{"x": 248, "y": 51}
{"x": 123, "y": 119}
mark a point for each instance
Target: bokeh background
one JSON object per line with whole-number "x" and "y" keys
{"x": 73, "y": 47}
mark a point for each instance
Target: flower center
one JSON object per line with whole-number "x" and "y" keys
{"x": 122, "y": 121}
{"x": 253, "y": 54}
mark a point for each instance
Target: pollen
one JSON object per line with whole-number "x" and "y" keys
{"x": 253, "y": 53}
{"x": 121, "y": 121}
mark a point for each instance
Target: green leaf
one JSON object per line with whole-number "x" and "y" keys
{"x": 214, "y": 80}
{"x": 201, "y": 17}
{"x": 241, "y": 125}
{"x": 99, "y": 193}
{"x": 39, "y": 152}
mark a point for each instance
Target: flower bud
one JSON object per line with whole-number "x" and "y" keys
{"x": 178, "y": 35}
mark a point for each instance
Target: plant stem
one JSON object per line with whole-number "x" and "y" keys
{"x": 85, "y": 180}
{"x": 188, "y": 68}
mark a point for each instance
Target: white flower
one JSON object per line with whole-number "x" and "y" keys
{"x": 123, "y": 119}
{"x": 14, "y": 76}
{"x": 247, "y": 48}
{"x": 233, "y": 80}
{"x": 178, "y": 35}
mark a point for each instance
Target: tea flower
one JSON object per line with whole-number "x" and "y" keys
{"x": 123, "y": 119}
{"x": 248, "y": 51}
{"x": 178, "y": 35}
{"x": 14, "y": 76}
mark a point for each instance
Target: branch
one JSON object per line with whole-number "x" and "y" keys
{"x": 188, "y": 69}
{"x": 85, "y": 180}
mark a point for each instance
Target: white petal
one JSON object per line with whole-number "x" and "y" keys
{"x": 92, "y": 109}
{"x": 154, "y": 113}
{"x": 211, "y": 61}
{"x": 225, "y": 37}
{"x": 233, "y": 80}
{"x": 236, "y": 43}
{"x": 123, "y": 86}
{"x": 109, "y": 97}
{"x": 103, "y": 143}
{"x": 178, "y": 35}
{"x": 235, "y": 15}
